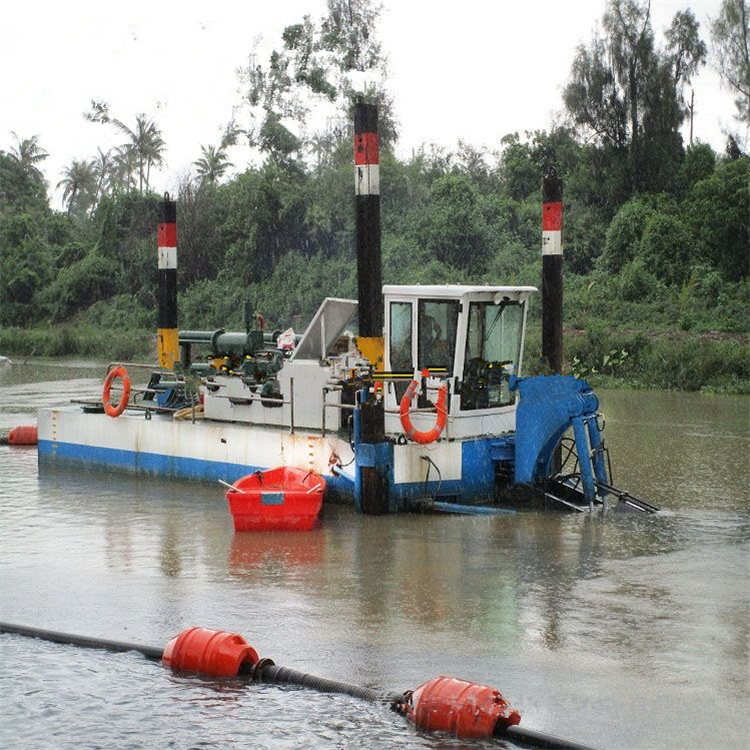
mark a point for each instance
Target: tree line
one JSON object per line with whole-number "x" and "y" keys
{"x": 656, "y": 230}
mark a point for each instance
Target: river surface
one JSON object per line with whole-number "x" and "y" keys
{"x": 620, "y": 631}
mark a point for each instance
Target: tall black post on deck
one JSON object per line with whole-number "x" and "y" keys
{"x": 166, "y": 241}
{"x": 552, "y": 281}
{"x": 371, "y": 465}
{"x": 367, "y": 198}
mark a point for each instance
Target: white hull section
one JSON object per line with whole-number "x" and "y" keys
{"x": 164, "y": 446}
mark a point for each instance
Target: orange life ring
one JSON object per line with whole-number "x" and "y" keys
{"x": 442, "y": 414}
{"x": 116, "y": 372}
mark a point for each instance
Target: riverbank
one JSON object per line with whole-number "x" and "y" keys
{"x": 712, "y": 362}
{"x": 77, "y": 341}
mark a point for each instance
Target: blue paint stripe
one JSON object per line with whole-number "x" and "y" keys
{"x": 478, "y": 470}
{"x": 155, "y": 464}
{"x": 142, "y": 463}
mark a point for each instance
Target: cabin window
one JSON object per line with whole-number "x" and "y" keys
{"x": 436, "y": 330}
{"x": 493, "y": 348}
{"x": 401, "y": 337}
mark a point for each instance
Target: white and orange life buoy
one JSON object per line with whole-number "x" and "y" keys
{"x": 116, "y": 372}
{"x": 442, "y": 413}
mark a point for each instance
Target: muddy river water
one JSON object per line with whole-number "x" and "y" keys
{"x": 620, "y": 631}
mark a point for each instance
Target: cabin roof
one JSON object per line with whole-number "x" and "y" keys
{"x": 455, "y": 290}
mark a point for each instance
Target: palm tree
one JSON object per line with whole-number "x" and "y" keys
{"x": 29, "y": 153}
{"x": 79, "y": 183}
{"x": 150, "y": 145}
{"x": 103, "y": 165}
{"x": 213, "y": 164}
{"x": 146, "y": 146}
{"x": 124, "y": 166}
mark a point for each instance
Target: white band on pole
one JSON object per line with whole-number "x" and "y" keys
{"x": 552, "y": 243}
{"x": 367, "y": 179}
{"x": 167, "y": 257}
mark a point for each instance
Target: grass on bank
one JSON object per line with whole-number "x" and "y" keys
{"x": 679, "y": 360}
{"x": 79, "y": 341}
{"x": 675, "y": 360}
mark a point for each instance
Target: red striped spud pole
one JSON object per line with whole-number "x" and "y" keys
{"x": 367, "y": 199}
{"x": 374, "y": 484}
{"x": 552, "y": 282}
{"x": 166, "y": 240}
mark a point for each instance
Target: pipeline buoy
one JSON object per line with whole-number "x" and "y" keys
{"x": 23, "y": 435}
{"x": 214, "y": 653}
{"x": 464, "y": 709}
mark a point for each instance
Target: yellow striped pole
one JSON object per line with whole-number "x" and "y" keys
{"x": 166, "y": 240}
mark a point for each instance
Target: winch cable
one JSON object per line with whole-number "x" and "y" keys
{"x": 266, "y": 671}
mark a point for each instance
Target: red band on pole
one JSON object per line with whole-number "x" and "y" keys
{"x": 166, "y": 235}
{"x": 366, "y": 148}
{"x": 552, "y": 217}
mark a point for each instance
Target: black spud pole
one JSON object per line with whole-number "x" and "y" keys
{"x": 552, "y": 281}
{"x": 373, "y": 474}
{"x": 167, "y": 336}
{"x": 367, "y": 200}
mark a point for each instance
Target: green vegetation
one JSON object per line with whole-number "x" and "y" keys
{"x": 657, "y": 287}
{"x": 78, "y": 340}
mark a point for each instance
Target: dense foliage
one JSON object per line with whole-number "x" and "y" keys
{"x": 656, "y": 234}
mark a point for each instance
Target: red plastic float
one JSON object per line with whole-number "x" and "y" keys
{"x": 23, "y": 435}
{"x": 465, "y": 709}
{"x": 281, "y": 498}
{"x": 210, "y": 652}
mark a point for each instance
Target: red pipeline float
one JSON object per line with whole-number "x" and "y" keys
{"x": 22, "y": 435}
{"x": 445, "y": 704}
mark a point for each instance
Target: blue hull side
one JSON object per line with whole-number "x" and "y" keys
{"x": 477, "y": 462}
{"x": 155, "y": 464}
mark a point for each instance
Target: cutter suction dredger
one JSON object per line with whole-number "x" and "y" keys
{"x": 438, "y": 418}
{"x": 425, "y": 408}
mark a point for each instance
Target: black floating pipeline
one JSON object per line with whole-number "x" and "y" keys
{"x": 444, "y": 704}
{"x": 150, "y": 652}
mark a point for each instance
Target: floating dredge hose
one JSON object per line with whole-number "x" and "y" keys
{"x": 276, "y": 675}
{"x": 464, "y": 709}
{"x": 150, "y": 652}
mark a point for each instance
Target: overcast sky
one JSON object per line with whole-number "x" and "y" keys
{"x": 470, "y": 69}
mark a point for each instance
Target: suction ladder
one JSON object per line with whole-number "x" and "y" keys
{"x": 568, "y": 488}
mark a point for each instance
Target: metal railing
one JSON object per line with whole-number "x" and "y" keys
{"x": 247, "y": 400}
